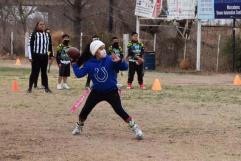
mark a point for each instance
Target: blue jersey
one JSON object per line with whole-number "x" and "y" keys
{"x": 102, "y": 73}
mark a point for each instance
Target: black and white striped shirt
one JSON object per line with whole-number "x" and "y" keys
{"x": 39, "y": 43}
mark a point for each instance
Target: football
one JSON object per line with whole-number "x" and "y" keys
{"x": 73, "y": 53}
{"x": 139, "y": 61}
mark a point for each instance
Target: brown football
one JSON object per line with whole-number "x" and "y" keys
{"x": 139, "y": 61}
{"x": 73, "y": 53}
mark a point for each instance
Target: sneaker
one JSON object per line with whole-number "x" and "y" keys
{"x": 129, "y": 86}
{"x": 78, "y": 129}
{"x": 59, "y": 86}
{"x": 47, "y": 90}
{"x": 137, "y": 131}
{"x": 119, "y": 85}
{"x": 29, "y": 90}
{"x": 142, "y": 86}
{"x": 65, "y": 86}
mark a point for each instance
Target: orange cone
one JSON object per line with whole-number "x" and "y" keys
{"x": 237, "y": 80}
{"x": 15, "y": 86}
{"x": 18, "y": 62}
{"x": 156, "y": 85}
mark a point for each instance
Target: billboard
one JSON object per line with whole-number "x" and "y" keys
{"x": 219, "y": 9}
{"x": 181, "y": 9}
{"x": 148, "y": 8}
{"x": 225, "y": 9}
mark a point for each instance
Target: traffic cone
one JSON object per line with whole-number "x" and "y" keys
{"x": 15, "y": 86}
{"x": 18, "y": 62}
{"x": 237, "y": 80}
{"x": 156, "y": 86}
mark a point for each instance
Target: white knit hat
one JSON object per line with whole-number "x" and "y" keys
{"x": 95, "y": 45}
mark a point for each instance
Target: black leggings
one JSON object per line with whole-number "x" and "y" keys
{"x": 39, "y": 62}
{"x": 113, "y": 98}
{"x": 87, "y": 84}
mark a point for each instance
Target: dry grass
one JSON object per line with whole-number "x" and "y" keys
{"x": 195, "y": 117}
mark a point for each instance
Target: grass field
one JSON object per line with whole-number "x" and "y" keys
{"x": 196, "y": 117}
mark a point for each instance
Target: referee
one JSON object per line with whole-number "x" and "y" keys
{"x": 39, "y": 46}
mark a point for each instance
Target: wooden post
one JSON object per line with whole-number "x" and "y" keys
{"x": 218, "y": 51}
{"x": 11, "y": 43}
{"x": 199, "y": 31}
{"x": 125, "y": 43}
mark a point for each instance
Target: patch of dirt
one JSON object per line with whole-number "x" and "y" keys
{"x": 194, "y": 118}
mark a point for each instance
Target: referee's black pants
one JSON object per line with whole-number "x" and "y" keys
{"x": 39, "y": 62}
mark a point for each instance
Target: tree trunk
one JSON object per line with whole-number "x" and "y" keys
{"x": 24, "y": 24}
{"x": 110, "y": 25}
{"x": 77, "y": 23}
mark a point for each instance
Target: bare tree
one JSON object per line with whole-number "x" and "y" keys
{"x": 5, "y": 13}
{"x": 77, "y": 7}
{"x": 21, "y": 13}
